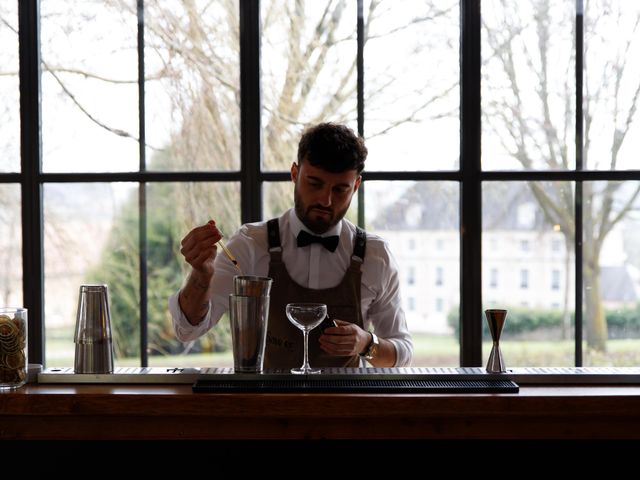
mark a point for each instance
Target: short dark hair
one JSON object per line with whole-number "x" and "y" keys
{"x": 332, "y": 147}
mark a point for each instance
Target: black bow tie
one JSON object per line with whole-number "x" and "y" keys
{"x": 330, "y": 243}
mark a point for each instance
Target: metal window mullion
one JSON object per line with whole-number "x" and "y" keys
{"x": 471, "y": 187}
{"x": 31, "y": 165}
{"x": 452, "y": 176}
{"x": 142, "y": 245}
{"x": 250, "y": 119}
{"x": 413, "y": 175}
{"x": 561, "y": 175}
{"x": 142, "y": 195}
{"x": 195, "y": 176}
{"x": 578, "y": 190}
{"x": 360, "y": 101}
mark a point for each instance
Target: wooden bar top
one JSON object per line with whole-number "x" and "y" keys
{"x": 136, "y": 411}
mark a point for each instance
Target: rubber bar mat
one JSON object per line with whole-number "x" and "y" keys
{"x": 356, "y": 386}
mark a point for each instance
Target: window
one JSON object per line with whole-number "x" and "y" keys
{"x": 493, "y": 282}
{"x": 10, "y": 192}
{"x": 411, "y": 277}
{"x": 411, "y": 304}
{"x": 439, "y": 276}
{"x": 555, "y": 280}
{"x": 545, "y": 188}
{"x": 140, "y": 142}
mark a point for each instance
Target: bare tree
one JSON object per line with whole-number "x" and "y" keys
{"x": 308, "y": 79}
{"x": 529, "y": 105}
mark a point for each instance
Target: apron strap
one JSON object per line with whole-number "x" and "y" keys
{"x": 273, "y": 235}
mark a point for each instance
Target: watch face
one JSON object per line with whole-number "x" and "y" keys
{"x": 373, "y": 348}
{"x": 372, "y": 351}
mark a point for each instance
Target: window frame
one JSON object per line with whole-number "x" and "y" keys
{"x": 470, "y": 175}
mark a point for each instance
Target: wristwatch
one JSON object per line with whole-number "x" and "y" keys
{"x": 372, "y": 349}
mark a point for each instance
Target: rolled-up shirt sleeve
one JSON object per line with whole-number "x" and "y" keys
{"x": 185, "y": 332}
{"x": 385, "y": 312}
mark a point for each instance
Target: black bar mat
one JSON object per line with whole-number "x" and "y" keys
{"x": 356, "y": 386}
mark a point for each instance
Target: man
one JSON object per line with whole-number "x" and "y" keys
{"x": 313, "y": 254}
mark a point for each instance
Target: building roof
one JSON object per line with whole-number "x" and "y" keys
{"x": 616, "y": 285}
{"x": 435, "y": 206}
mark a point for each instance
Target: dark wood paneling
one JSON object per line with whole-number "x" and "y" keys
{"x": 174, "y": 412}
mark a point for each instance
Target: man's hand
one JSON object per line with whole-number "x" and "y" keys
{"x": 199, "y": 248}
{"x": 347, "y": 339}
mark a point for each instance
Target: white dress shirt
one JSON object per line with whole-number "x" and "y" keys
{"x": 313, "y": 267}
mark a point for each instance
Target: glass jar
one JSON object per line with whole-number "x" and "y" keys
{"x": 13, "y": 347}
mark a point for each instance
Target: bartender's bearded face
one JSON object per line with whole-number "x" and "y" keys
{"x": 322, "y": 198}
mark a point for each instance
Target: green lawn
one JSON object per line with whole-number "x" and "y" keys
{"x": 444, "y": 351}
{"x": 429, "y": 351}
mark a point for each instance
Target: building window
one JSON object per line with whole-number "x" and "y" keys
{"x": 412, "y": 244}
{"x": 412, "y": 304}
{"x": 439, "y": 276}
{"x": 411, "y": 275}
{"x": 524, "y": 279}
{"x": 524, "y": 245}
{"x": 439, "y": 305}
{"x": 493, "y": 278}
{"x": 555, "y": 280}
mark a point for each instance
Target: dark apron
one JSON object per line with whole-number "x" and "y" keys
{"x": 284, "y": 347}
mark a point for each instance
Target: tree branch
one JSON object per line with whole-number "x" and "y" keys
{"x": 116, "y": 131}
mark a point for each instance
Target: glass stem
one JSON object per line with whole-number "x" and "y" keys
{"x": 305, "y": 366}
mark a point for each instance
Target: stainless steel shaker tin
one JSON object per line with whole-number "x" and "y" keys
{"x": 94, "y": 347}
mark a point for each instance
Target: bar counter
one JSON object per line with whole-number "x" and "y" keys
{"x": 173, "y": 411}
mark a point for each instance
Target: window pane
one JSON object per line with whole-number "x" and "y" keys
{"x": 192, "y": 88}
{"x": 173, "y": 210}
{"x": 611, "y": 273}
{"x": 428, "y": 213}
{"x": 10, "y": 246}
{"x": 528, "y": 85}
{"x": 91, "y": 236}
{"x": 89, "y": 86}
{"x": 539, "y": 330}
{"x": 277, "y": 198}
{"x": 9, "y": 88}
{"x": 411, "y": 84}
{"x": 612, "y": 82}
{"x": 308, "y": 71}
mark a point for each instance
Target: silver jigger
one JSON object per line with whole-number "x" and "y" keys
{"x": 496, "y": 319}
{"x": 94, "y": 348}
